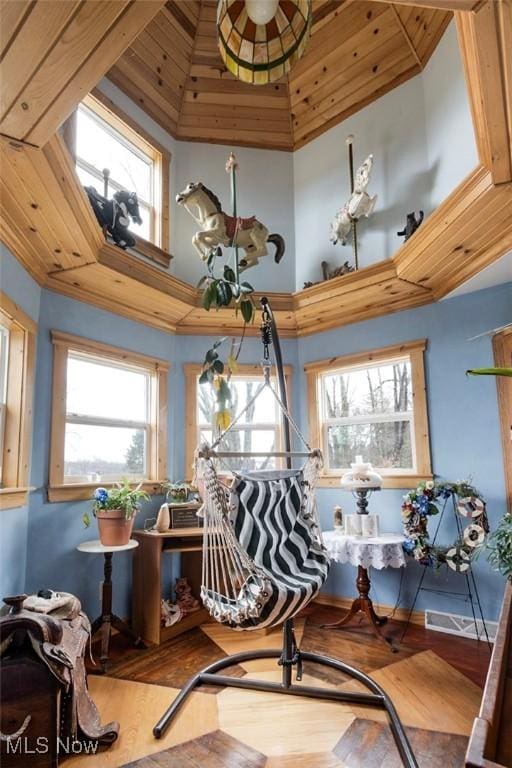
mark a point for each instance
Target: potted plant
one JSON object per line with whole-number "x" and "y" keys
{"x": 499, "y": 547}
{"x": 176, "y": 493}
{"x": 115, "y": 511}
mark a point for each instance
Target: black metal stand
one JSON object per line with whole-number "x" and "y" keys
{"x": 290, "y": 656}
{"x": 470, "y": 595}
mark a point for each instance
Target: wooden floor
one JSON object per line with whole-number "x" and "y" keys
{"x": 434, "y": 681}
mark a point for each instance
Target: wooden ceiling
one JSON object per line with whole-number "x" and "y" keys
{"x": 53, "y": 53}
{"x": 359, "y": 50}
{"x": 47, "y": 222}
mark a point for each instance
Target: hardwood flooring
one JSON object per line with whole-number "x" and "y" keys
{"x": 434, "y": 681}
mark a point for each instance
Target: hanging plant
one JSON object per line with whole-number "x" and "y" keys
{"x": 217, "y": 373}
{"x": 226, "y": 291}
{"x": 422, "y": 503}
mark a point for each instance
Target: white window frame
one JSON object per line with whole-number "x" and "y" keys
{"x": 136, "y": 140}
{"x": 97, "y": 421}
{"x": 411, "y": 352}
{"x": 65, "y": 345}
{"x": 193, "y": 427}
{"x": 19, "y": 373}
{"x": 377, "y": 418}
{"x": 4, "y": 363}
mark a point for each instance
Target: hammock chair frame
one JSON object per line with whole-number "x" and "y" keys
{"x": 290, "y": 655}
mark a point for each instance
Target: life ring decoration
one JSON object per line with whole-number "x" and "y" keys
{"x": 424, "y": 502}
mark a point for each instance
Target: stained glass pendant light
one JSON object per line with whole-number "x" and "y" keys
{"x": 260, "y": 40}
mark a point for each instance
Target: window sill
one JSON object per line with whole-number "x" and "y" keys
{"x": 406, "y": 482}
{"x": 85, "y": 491}
{"x": 152, "y": 252}
{"x": 11, "y": 498}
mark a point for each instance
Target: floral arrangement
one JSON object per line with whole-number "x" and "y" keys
{"x": 120, "y": 496}
{"x": 423, "y": 502}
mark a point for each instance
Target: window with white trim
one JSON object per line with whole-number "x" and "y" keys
{"x": 18, "y": 334}
{"x": 367, "y": 410}
{"x": 260, "y": 428}
{"x": 109, "y": 416}
{"x": 373, "y": 405}
{"x": 4, "y": 362}
{"x": 102, "y": 141}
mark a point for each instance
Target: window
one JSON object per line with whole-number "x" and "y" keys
{"x": 135, "y": 162}
{"x": 372, "y": 404}
{"x": 4, "y": 358}
{"x": 17, "y": 365}
{"x": 258, "y": 430}
{"x": 108, "y": 420}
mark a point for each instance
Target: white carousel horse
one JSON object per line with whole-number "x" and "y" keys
{"x": 359, "y": 204}
{"x": 218, "y": 228}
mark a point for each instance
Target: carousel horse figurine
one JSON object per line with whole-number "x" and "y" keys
{"x": 114, "y": 215}
{"x": 359, "y": 204}
{"x": 218, "y": 228}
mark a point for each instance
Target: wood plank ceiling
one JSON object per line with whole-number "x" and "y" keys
{"x": 358, "y": 51}
{"x": 48, "y": 224}
{"x": 53, "y": 53}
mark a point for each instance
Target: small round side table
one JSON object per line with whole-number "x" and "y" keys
{"x": 107, "y": 619}
{"x": 384, "y": 551}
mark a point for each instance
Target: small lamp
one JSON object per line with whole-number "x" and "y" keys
{"x": 361, "y": 479}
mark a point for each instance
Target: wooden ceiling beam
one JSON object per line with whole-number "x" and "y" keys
{"x": 485, "y": 41}
{"x": 438, "y": 5}
{"x": 406, "y": 36}
{"x": 56, "y": 54}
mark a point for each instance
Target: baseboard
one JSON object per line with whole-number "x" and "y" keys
{"x": 400, "y": 614}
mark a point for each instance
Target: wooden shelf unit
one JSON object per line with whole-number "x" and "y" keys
{"x": 147, "y": 572}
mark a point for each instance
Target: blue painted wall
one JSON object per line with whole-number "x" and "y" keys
{"x": 464, "y": 429}
{"x": 463, "y": 414}
{"x": 20, "y": 287}
{"x": 56, "y": 529}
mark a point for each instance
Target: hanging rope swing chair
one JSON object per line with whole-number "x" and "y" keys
{"x": 264, "y": 559}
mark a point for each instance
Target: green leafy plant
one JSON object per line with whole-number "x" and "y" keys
{"x": 178, "y": 491}
{"x": 217, "y": 374}
{"x": 499, "y": 547}
{"x": 120, "y": 496}
{"x": 226, "y": 290}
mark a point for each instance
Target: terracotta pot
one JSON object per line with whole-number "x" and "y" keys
{"x": 115, "y": 530}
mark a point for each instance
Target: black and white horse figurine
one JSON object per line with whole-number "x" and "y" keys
{"x": 114, "y": 215}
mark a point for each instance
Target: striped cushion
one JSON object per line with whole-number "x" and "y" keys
{"x": 270, "y": 522}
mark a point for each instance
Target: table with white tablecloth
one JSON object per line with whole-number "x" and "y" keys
{"x": 383, "y": 551}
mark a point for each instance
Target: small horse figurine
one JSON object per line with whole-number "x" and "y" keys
{"x": 412, "y": 224}
{"x": 359, "y": 204}
{"x": 114, "y": 215}
{"x": 218, "y": 228}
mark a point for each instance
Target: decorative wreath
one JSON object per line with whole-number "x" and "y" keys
{"x": 423, "y": 502}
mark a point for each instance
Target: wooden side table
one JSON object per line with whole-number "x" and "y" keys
{"x": 106, "y": 620}
{"x": 147, "y": 580}
{"x": 383, "y": 551}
